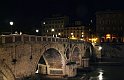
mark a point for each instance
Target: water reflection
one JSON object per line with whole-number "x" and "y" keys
{"x": 107, "y": 73}
{"x": 100, "y": 76}
{"x": 97, "y": 75}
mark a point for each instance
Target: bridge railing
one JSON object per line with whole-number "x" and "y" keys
{"x": 30, "y": 38}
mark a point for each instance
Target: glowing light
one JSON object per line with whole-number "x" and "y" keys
{"x": 20, "y": 33}
{"x": 52, "y": 30}
{"x": 91, "y": 20}
{"x": 37, "y": 30}
{"x": 56, "y": 35}
{"x": 11, "y": 23}
{"x": 72, "y": 33}
{"x": 82, "y": 32}
{"x": 59, "y": 34}
{"x": 93, "y": 40}
{"x": 108, "y": 35}
{"x": 36, "y": 71}
{"x": 16, "y": 32}
{"x": 82, "y": 35}
{"x": 53, "y": 35}
{"x": 44, "y": 23}
{"x": 47, "y": 30}
{"x": 81, "y": 39}
{"x": 100, "y": 77}
{"x": 73, "y": 38}
{"x": 100, "y": 48}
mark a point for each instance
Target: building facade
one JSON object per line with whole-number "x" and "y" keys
{"x": 61, "y": 26}
{"x": 110, "y": 26}
{"x": 76, "y": 32}
{"x": 53, "y": 26}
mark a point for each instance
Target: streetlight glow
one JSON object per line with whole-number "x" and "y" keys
{"x": 37, "y": 30}
{"x": 11, "y": 23}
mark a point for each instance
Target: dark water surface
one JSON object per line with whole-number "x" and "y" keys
{"x": 113, "y": 72}
{"x": 107, "y": 73}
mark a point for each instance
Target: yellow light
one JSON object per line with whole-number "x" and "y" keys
{"x": 81, "y": 39}
{"x": 73, "y": 38}
{"x": 93, "y": 40}
{"x": 82, "y": 32}
{"x": 108, "y": 35}
{"x": 90, "y": 39}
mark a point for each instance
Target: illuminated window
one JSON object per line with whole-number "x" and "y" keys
{"x": 108, "y": 36}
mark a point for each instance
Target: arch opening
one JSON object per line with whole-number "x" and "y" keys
{"x": 87, "y": 53}
{"x": 76, "y": 56}
{"x": 51, "y": 63}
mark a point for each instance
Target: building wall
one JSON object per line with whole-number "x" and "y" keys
{"x": 110, "y": 22}
{"x": 57, "y": 26}
{"x": 55, "y": 22}
{"x": 78, "y": 32}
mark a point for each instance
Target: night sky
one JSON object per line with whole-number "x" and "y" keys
{"x": 28, "y": 13}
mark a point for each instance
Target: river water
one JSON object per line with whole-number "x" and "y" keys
{"x": 107, "y": 73}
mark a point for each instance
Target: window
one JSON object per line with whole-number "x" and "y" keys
{"x": 61, "y": 21}
{"x": 77, "y": 35}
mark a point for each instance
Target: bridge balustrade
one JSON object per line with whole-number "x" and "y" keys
{"x": 30, "y": 38}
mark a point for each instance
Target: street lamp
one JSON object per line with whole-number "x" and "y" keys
{"x": 37, "y": 31}
{"x": 11, "y": 24}
{"x": 52, "y": 30}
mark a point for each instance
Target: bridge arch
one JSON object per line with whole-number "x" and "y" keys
{"x": 53, "y": 55}
{"x": 76, "y": 55}
{"x": 89, "y": 52}
{"x": 5, "y": 72}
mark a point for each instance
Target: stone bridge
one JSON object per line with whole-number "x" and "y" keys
{"x": 22, "y": 55}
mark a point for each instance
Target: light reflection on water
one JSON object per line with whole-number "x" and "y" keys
{"x": 100, "y": 76}
{"x": 97, "y": 75}
{"x": 108, "y": 73}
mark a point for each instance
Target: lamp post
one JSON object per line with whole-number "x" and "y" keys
{"x": 11, "y": 24}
